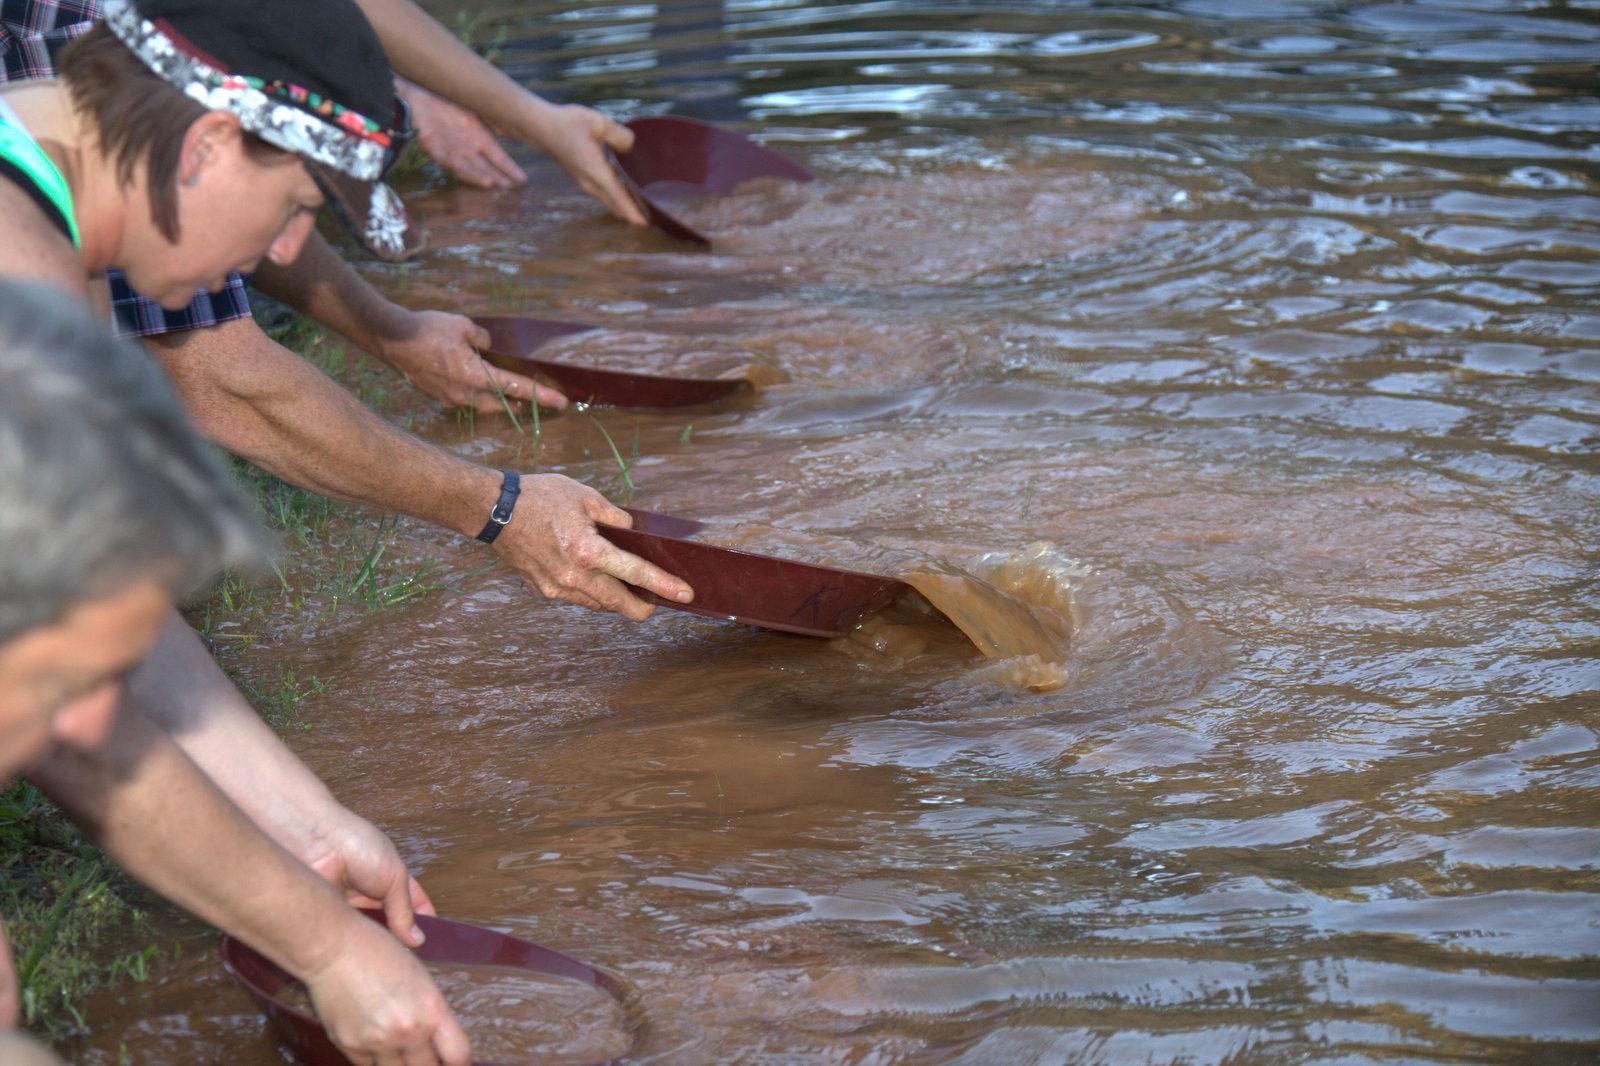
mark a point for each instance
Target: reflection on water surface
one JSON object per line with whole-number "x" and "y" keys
{"x": 1274, "y": 323}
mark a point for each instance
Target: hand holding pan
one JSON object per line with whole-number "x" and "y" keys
{"x": 511, "y": 339}
{"x": 675, "y": 158}
{"x": 448, "y": 942}
{"x": 759, "y": 590}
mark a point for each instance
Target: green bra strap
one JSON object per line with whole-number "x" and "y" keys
{"x": 22, "y": 152}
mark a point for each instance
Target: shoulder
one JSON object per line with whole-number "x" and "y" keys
{"x": 31, "y": 246}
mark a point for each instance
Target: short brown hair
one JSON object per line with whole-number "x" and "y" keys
{"x": 139, "y": 116}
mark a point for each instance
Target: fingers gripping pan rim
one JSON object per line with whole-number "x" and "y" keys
{"x": 674, "y": 156}
{"x": 447, "y": 942}
{"x": 512, "y": 337}
{"x": 654, "y": 213}
{"x": 758, "y": 590}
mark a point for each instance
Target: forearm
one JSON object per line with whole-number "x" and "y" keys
{"x": 576, "y": 137}
{"x": 257, "y": 399}
{"x": 322, "y": 286}
{"x": 435, "y": 350}
{"x": 261, "y": 401}
{"x": 180, "y": 689}
{"x": 422, "y": 50}
{"x": 165, "y": 822}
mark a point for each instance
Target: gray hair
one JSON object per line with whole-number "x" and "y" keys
{"x": 103, "y": 482}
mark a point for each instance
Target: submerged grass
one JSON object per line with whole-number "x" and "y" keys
{"x": 63, "y": 903}
{"x": 505, "y": 405}
{"x": 278, "y": 698}
{"x": 627, "y": 490}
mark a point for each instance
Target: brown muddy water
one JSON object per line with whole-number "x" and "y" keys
{"x": 1257, "y": 340}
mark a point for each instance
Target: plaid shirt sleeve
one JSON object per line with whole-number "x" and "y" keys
{"x": 138, "y": 317}
{"x": 32, "y": 32}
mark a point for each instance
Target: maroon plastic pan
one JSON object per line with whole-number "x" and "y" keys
{"x": 759, "y": 590}
{"x": 511, "y": 338}
{"x": 448, "y": 942}
{"x": 677, "y": 158}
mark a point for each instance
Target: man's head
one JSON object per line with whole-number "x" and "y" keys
{"x": 110, "y": 508}
{"x": 240, "y": 120}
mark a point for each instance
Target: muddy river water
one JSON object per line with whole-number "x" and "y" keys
{"x": 1256, "y": 343}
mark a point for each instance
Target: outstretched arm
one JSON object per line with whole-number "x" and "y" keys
{"x": 434, "y": 350}
{"x": 165, "y": 822}
{"x": 180, "y": 688}
{"x": 424, "y": 51}
{"x": 260, "y": 400}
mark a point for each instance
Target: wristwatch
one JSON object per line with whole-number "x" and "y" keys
{"x": 500, "y": 514}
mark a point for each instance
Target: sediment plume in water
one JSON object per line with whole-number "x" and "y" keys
{"x": 1015, "y": 608}
{"x": 1018, "y": 612}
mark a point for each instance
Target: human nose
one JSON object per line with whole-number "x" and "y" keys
{"x": 85, "y": 721}
{"x": 285, "y": 248}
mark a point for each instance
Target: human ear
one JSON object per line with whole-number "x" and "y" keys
{"x": 205, "y": 143}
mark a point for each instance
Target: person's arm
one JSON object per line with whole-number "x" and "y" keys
{"x": 260, "y": 400}
{"x": 180, "y": 688}
{"x": 166, "y": 823}
{"x": 458, "y": 140}
{"x": 422, "y": 50}
{"x": 434, "y": 350}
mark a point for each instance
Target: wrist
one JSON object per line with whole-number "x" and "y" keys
{"x": 290, "y": 824}
{"x": 535, "y": 122}
{"x": 326, "y": 839}
{"x": 336, "y": 938}
{"x": 470, "y": 506}
{"x": 504, "y": 506}
{"x": 388, "y": 327}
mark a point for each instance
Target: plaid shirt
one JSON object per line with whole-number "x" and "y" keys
{"x": 32, "y": 34}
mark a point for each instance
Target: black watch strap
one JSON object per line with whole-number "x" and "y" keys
{"x": 510, "y": 487}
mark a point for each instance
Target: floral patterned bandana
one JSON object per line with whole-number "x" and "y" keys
{"x": 345, "y": 152}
